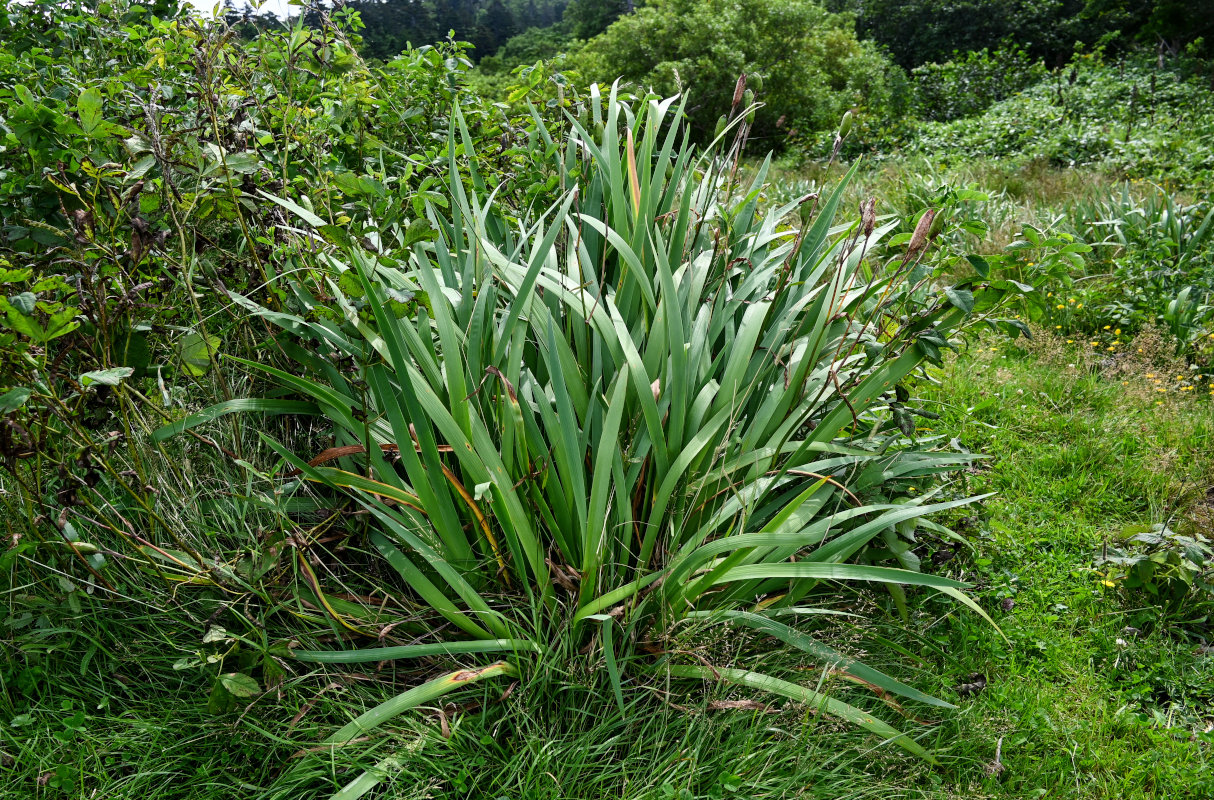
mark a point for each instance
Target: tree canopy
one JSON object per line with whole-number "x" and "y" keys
{"x": 812, "y": 65}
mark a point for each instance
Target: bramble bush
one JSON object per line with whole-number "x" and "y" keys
{"x": 1131, "y": 118}
{"x": 140, "y": 154}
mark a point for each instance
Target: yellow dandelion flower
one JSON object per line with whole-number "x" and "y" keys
{"x": 1070, "y": 341}
{"x": 1079, "y": 306}
{"x": 1107, "y": 327}
{"x": 1117, "y": 332}
{"x": 1060, "y": 306}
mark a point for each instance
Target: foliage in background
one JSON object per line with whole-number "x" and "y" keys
{"x": 969, "y": 84}
{"x": 1152, "y": 267}
{"x": 922, "y": 31}
{"x": 811, "y": 64}
{"x": 588, "y": 18}
{"x": 527, "y": 48}
{"x": 1132, "y": 119}
{"x": 390, "y": 27}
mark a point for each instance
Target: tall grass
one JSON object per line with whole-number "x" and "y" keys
{"x": 645, "y": 407}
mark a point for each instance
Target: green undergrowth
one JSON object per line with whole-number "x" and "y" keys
{"x": 1092, "y": 694}
{"x": 1131, "y": 120}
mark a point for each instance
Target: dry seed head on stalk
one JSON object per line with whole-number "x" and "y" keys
{"x": 738, "y": 90}
{"x": 868, "y": 216}
{"x": 919, "y": 237}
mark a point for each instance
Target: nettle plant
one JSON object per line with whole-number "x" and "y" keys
{"x": 644, "y": 407}
{"x": 1173, "y": 568}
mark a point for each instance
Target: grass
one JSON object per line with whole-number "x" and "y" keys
{"x": 1097, "y": 696}
{"x": 1092, "y": 696}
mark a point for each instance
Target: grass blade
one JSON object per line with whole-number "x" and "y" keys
{"x": 419, "y": 695}
{"x": 367, "y": 654}
{"x": 829, "y": 705}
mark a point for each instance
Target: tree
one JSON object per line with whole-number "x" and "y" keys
{"x": 487, "y": 24}
{"x": 392, "y": 25}
{"x": 921, "y": 31}
{"x": 589, "y": 18}
{"x": 533, "y": 44}
{"x": 497, "y": 20}
{"x": 813, "y": 66}
{"x": 1174, "y": 23}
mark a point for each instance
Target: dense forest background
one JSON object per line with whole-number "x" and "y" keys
{"x": 886, "y": 60}
{"x": 913, "y": 31}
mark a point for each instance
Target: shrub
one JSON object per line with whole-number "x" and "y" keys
{"x": 970, "y": 83}
{"x": 812, "y": 66}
